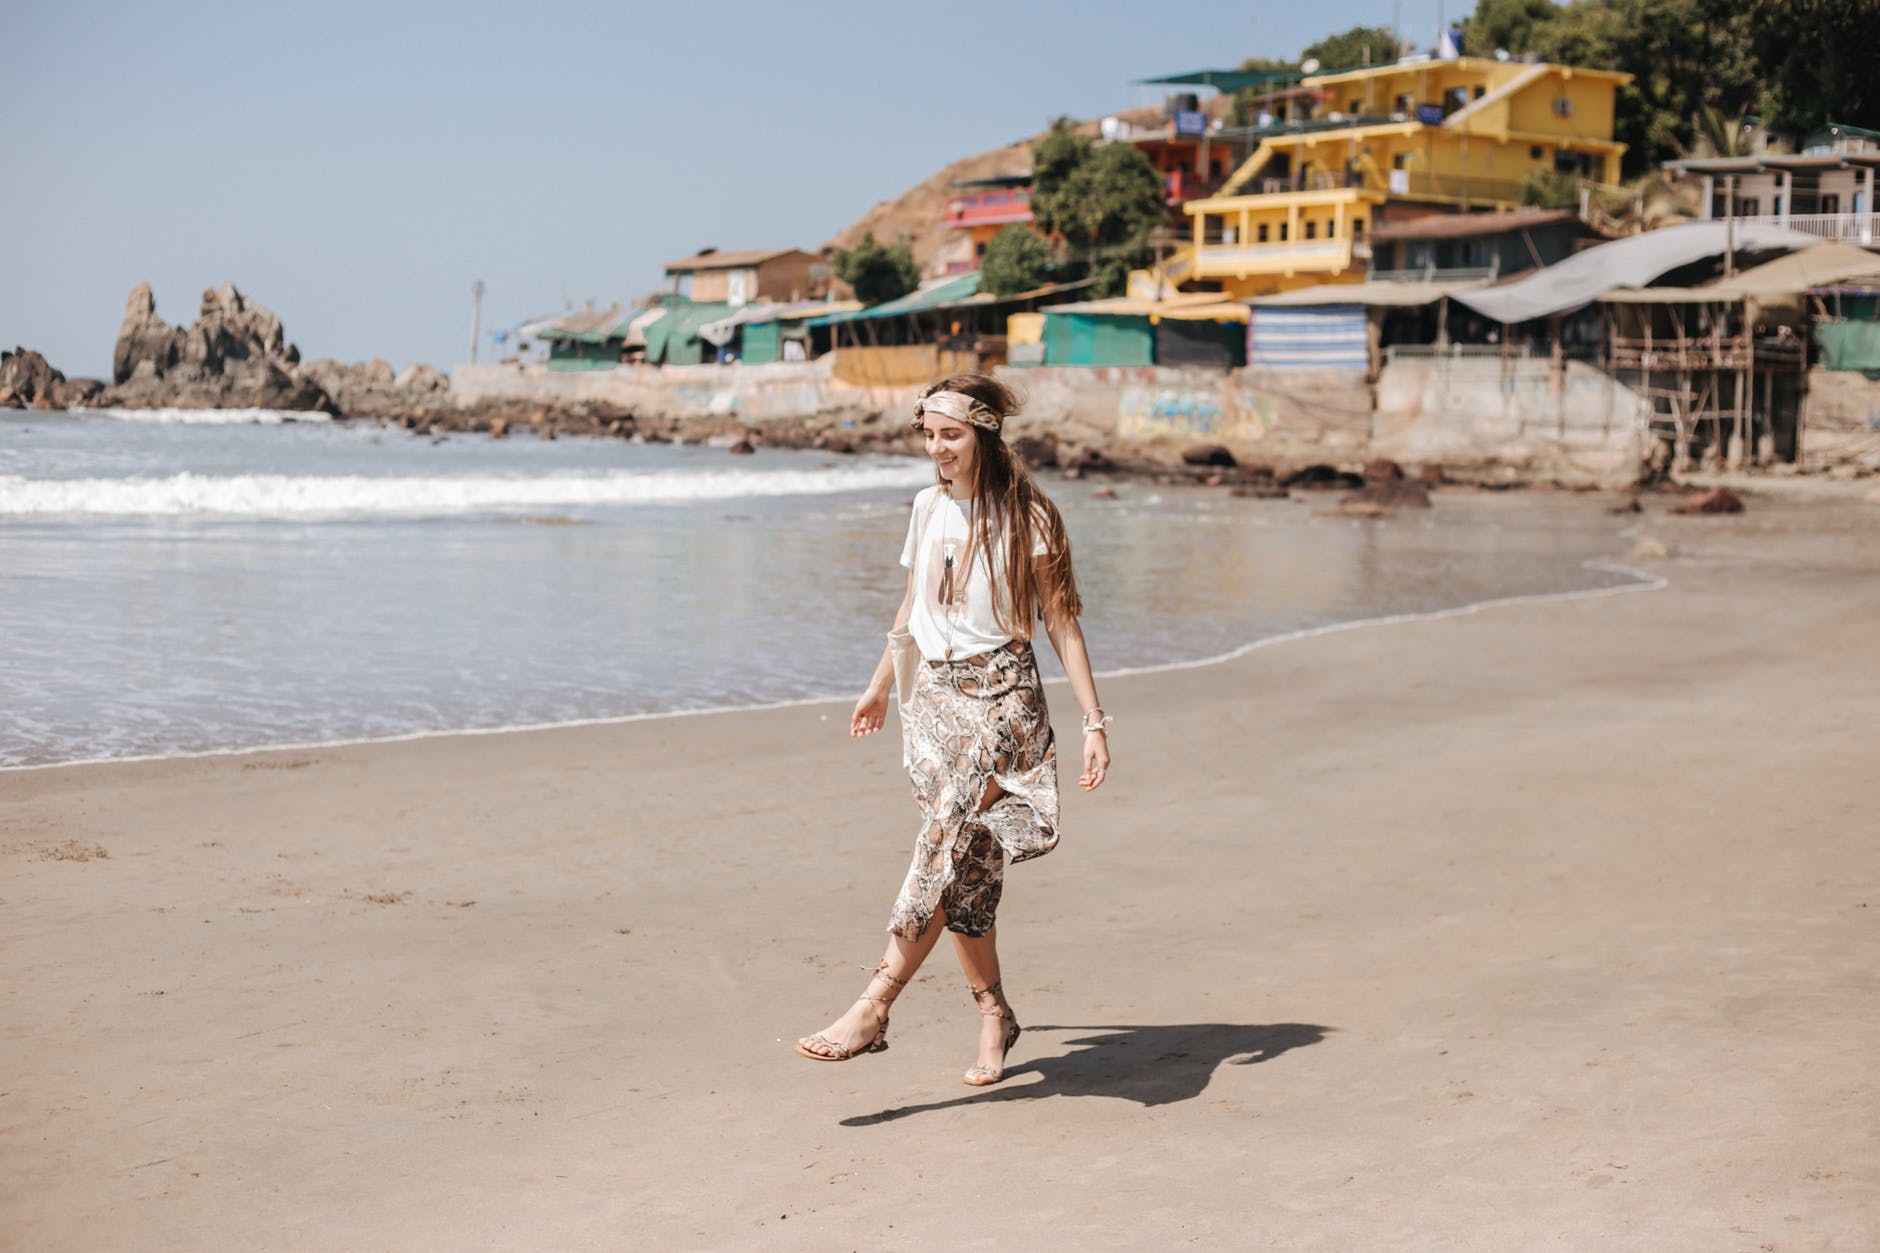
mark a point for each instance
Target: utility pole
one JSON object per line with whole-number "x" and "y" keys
{"x": 476, "y": 317}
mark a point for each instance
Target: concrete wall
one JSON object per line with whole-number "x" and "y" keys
{"x": 1841, "y": 420}
{"x": 754, "y": 393}
{"x": 1454, "y": 411}
{"x": 1520, "y": 411}
{"x": 1261, "y": 415}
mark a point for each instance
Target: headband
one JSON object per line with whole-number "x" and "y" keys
{"x": 961, "y": 408}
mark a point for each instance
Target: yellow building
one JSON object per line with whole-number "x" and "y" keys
{"x": 1398, "y": 140}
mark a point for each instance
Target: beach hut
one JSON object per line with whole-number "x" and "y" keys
{"x": 1192, "y": 329}
{"x": 675, "y": 340}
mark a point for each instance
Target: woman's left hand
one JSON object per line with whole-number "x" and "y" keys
{"x": 1096, "y": 760}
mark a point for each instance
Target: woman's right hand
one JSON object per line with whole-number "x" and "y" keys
{"x": 871, "y": 712}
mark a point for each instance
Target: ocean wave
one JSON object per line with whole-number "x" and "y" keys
{"x": 275, "y": 495}
{"x": 207, "y": 417}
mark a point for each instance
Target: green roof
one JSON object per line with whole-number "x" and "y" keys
{"x": 935, "y": 295}
{"x": 1223, "y": 80}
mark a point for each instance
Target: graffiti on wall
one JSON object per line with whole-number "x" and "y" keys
{"x": 1151, "y": 412}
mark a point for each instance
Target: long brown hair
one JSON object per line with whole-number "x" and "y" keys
{"x": 1005, "y": 496}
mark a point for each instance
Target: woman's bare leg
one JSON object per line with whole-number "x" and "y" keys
{"x": 863, "y": 1021}
{"x": 979, "y": 960}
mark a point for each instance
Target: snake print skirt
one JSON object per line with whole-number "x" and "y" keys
{"x": 969, "y": 724}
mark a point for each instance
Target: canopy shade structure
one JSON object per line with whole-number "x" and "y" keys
{"x": 1631, "y": 262}
{"x": 1222, "y": 80}
{"x": 1802, "y": 270}
{"x": 1384, "y": 295}
{"x": 933, "y": 294}
{"x": 1182, "y": 306}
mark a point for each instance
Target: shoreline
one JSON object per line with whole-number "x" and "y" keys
{"x": 1645, "y": 583}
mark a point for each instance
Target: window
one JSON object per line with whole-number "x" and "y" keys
{"x": 1285, "y": 228}
{"x": 1563, "y": 107}
{"x": 1401, "y": 104}
{"x": 1331, "y": 228}
{"x": 1831, "y": 202}
{"x": 1263, "y": 230}
{"x": 1536, "y": 152}
{"x": 1357, "y": 228}
{"x": 1480, "y": 92}
{"x": 1748, "y": 206}
{"x": 1357, "y": 106}
{"x": 1312, "y": 229}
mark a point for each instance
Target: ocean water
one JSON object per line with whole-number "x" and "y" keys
{"x": 175, "y": 583}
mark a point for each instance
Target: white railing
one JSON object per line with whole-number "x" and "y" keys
{"x": 1855, "y": 228}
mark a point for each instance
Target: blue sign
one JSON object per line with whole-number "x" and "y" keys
{"x": 1191, "y": 122}
{"x": 1430, "y": 114}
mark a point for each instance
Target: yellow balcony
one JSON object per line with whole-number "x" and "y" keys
{"x": 1318, "y": 232}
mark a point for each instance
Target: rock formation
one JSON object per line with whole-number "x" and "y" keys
{"x": 235, "y": 355}
{"x": 27, "y": 379}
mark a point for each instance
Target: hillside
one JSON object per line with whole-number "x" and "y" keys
{"x": 919, "y": 213}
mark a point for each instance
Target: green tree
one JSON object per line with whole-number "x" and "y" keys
{"x": 1103, "y": 207}
{"x": 1058, "y": 156}
{"x": 1017, "y": 260}
{"x": 1361, "y": 45}
{"x": 876, "y": 272}
{"x": 1821, "y": 59}
{"x": 1508, "y": 25}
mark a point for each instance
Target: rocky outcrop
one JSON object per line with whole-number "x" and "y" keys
{"x": 28, "y": 380}
{"x": 374, "y": 390}
{"x": 235, "y": 355}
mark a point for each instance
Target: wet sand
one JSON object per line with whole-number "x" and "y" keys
{"x": 1548, "y": 926}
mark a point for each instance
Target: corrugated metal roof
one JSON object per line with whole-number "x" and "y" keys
{"x": 1631, "y": 262}
{"x": 586, "y": 327}
{"x": 716, "y": 260}
{"x": 935, "y": 293}
{"x": 1800, "y": 271}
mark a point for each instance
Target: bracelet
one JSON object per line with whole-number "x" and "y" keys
{"x": 1102, "y": 724}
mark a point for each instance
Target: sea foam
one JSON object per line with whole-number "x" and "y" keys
{"x": 207, "y": 417}
{"x": 276, "y": 495}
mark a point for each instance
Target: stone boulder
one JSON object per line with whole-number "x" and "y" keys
{"x": 1716, "y": 500}
{"x": 373, "y": 389}
{"x": 25, "y": 377}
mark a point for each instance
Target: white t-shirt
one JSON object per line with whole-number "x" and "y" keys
{"x": 966, "y": 627}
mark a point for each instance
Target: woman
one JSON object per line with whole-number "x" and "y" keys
{"x": 987, "y": 557}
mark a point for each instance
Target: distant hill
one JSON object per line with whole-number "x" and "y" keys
{"x": 919, "y": 213}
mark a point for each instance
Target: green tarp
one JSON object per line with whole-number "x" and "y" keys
{"x": 674, "y": 339}
{"x": 1098, "y": 339}
{"x": 1849, "y": 346}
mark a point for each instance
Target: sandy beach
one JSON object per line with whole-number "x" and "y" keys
{"x": 1546, "y": 926}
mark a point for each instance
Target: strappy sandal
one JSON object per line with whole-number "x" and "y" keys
{"x": 879, "y": 1044}
{"x": 986, "y": 1076}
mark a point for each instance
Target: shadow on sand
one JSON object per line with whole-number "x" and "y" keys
{"x": 1148, "y": 1065}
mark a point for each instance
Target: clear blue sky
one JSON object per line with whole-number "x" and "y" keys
{"x": 355, "y": 166}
